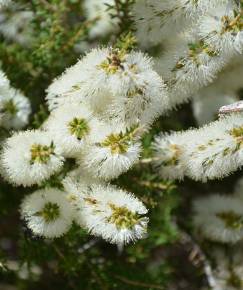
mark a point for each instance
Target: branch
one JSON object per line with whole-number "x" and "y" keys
{"x": 201, "y": 257}
{"x": 138, "y": 283}
{"x": 148, "y": 160}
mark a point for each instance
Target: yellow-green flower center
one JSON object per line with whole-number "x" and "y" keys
{"x": 50, "y": 212}
{"x": 79, "y": 127}
{"x": 232, "y": 25}
{"x": 231, "y": 220}
{"x": 237, "y": 132}
{"x": 10, "y": 108}
{"x": 120, "y": 142}
{"x": 174, "y": 160}
{"x": 122, "y": 217}
{"x": 41, "y": 153}
{"x": 194, "y": 50}
{"x": 113, "y": 62}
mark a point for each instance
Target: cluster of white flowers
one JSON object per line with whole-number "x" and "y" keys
{"x": 14, "y": 106}
{"x": 213, "y": 151}
{"x": 4, "y": 3}
{"x": 100, "y": 109}
{"x": 219, "y": 218}
{"x": 157, "y": 20}
{"x": 105, "y": 210}
{"x": 14, "y": 23}
{"x": 113, "y": 85}
{"x": 207, "y": 35}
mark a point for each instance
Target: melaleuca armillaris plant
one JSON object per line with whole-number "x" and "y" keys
{"x": 89, "y": 141}
{"x": 100, "y": 108}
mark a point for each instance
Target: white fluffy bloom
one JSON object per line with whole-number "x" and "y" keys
{"x": 228, "y": 273}
{"x": 112, "y": 151}
{"x": 97, "y": 10}
{"x": 228, "y": 81}
{"x": 14, "y": 108}
{"x": 168, "y": 150}
{"x": 47, "y": 213}
{"x": 148, "y": 29}
{"x": 157, "y": 20}
{"x": 222, "y": 28}
{"x": 223, "y": 91}
{"x": 76, "y": 183}
{"x": 122, "y": 86}
{"x": 216, "y": 149}
{"x": 70, "y": 125}
{"x": 30, "y": 157}
{"x": 15, "y": 23}
{"x": 113, "y": 214}
{"x": 219, "y": 218}
{"x": 213, "y": 151}
{"x": 4, "y": 3}
{"x": 188, "y": 65}
{"x": 77, "y": 179}
{"x": 4, "y": 82}
{"x": 205, "y": 107}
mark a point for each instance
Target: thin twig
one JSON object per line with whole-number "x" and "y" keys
{"x": 138, "y": 283}
{"x": 148, "y": 160}
{"x": 197, "y": 252}
{"x": 87, "y": 246}
{"x": 152, "y": 184}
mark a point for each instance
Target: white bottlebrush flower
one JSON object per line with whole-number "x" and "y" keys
{"x": 4, "y": 82}
{"x": 30, "y": 157}
{"x": 211, "y": 152}
{"x": 14, "y": 108}
{"x": 228, "y": 273}
{"x": 78, "y": 178}
{"x": 79, "y": 82}
{"x": 228, "y": 81}
{"x": 76, "y": 183}
{"x": 108, "y": 78}
{"x": 216, "y": 149}
{"x": 157, "y": 20}
{"x": 222, "y": 28}
{"x": 97, "y": 11}
{"x": 219, "y": 218}
{"x": 47, "y": 213}
{"x": 168, "y": 150}
{"x": 4, "y": 3}
{"x": 206, "y": 107}
{"x": 188, "y": 65}
{"x": 15, "y": 23}
{"x": 70, "y": 125}
{"x": 113, "y": 214}
{"x": 141, "y": 96}
{"x": 148, "y": 29}
{"x": 112, "y": 151}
